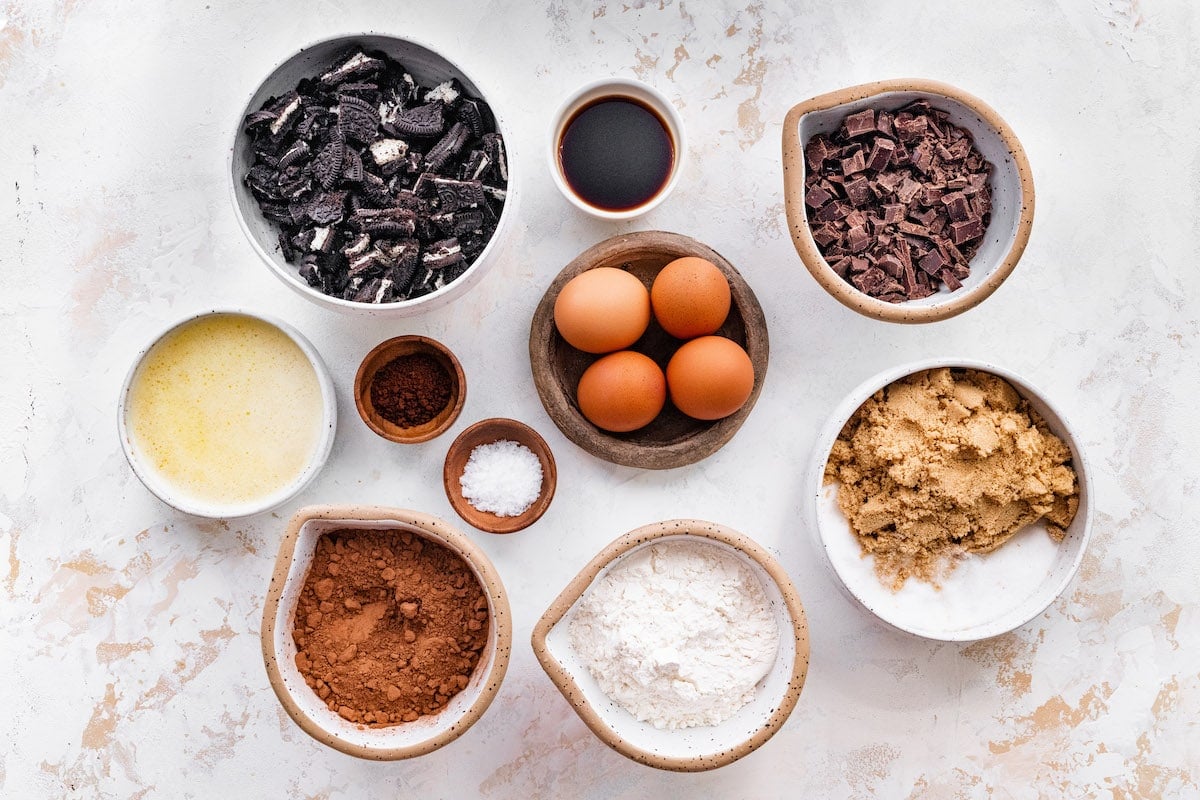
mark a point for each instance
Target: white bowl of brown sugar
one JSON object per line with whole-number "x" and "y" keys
{"x": 950, "y": 498}
{"x": 386, "y": 632}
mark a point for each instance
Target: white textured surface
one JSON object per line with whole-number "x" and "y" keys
{"x": 129, "y": 633}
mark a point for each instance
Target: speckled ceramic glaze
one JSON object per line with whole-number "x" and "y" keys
{"x": 986, "y": 595}
{"x": 689, "y": 749}
{"x": 1011, "y": 184}
{"x": 405, "y": 740}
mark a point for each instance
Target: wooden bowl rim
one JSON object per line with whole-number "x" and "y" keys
{"x": 481, "y": 433}
{"x": 557, "y": 400}
{"x": 403, "y": 345}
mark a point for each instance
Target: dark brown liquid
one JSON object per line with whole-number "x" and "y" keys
{"x": 616, "y": 153}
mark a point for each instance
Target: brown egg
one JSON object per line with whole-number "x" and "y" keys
{"x": 690, "y": 297}
{"x": 602, "y": 310}
{"x": 710, "y": 377}
{"x": 622, "y": 392}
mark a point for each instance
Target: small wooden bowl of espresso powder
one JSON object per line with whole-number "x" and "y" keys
{"x": 389, "y": 625}
{"x": 410, "y": 389}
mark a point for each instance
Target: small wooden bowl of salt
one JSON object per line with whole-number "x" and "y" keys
{"x": 500, "y": 475}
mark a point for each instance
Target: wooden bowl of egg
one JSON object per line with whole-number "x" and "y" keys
{"x": 649, "y": 350}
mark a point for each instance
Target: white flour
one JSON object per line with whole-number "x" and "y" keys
{"x": 678, "y": 633}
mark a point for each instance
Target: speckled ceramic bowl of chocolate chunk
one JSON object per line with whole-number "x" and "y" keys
{"x": 985, "y": 595}
{"x": 698, "y": 748}
{"x": 404, "y": 740}
{"x": 428, "y": 68}
{"x": 1011, "y": 187}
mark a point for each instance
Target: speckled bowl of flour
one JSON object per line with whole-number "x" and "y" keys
{"x": 702, "y": 746}
{"x": 985, "y": 595}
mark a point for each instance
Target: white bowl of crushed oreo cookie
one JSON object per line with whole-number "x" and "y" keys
{"x": 370, "y": 175}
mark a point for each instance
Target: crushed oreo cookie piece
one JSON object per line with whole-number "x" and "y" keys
{"x": 897, "y": 201}
{"x": 382, "y": 190}
{"x": 426, "y": 120}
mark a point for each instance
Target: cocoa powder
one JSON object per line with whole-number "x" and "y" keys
{"x": 389, "y": 625}
{"x": 411, "y": 390}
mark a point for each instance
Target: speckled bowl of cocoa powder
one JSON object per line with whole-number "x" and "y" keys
{"x": 386, "y": 632}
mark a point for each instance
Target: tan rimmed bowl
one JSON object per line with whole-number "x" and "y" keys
{"x": 1011, "y": 186}
{"x": 672, "y": 439}
{"x": 301, "y": 703}
{"x": 382, "y": 355}
{"x": 487, "y": 431}
{"x": 688, "y": 749}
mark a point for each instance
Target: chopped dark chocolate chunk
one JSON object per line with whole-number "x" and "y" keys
{"x": 965, "y": 231}
{"x": 817, "y": 196}
{"x": 817, "y": 151}
{"x": 881, "y": 154}
{"x": 897, "y": 200}
{"x": 932, "y": 262}
{"x": 854, "y": 162}
{"x": 859, "y": 124}
{"x": 382, "y": 190}
{"x": 858, "y": 190}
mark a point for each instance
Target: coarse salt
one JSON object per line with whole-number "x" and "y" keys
{"x": 504, "y": 478}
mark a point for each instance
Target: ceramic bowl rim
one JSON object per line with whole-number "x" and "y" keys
{"x": 801, "y": 232}
{"x": 827, "y": 434}
{"x": 578, "y": 585}
{"x": 435, "y": 528}
{"x": 196, "y": 508}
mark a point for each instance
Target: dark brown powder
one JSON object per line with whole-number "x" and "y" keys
{"x": 389, "y": 625}
{"x": 411, "y": 390}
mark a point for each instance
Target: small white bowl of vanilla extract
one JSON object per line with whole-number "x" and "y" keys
{"x": 617, "y": 148}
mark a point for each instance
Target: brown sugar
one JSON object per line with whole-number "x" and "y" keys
{"x": 389, "y": 625}
{"x": 947, "y": 462}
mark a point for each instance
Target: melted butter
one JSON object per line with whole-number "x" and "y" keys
{"x": 226, "y": 409}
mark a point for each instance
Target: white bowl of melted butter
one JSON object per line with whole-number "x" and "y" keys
{"x": 227, "y": 413}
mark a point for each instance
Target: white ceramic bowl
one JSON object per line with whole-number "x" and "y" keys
{"x": 687, "y": 749}
{"x": 408, "y": 739}
{"x": 176, "y": 498}
{"x": 1011, "y": 185}
{"x": 428, "y": 68}
{"x": 986, "y": 595}
{"x": 617, "y": 87}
